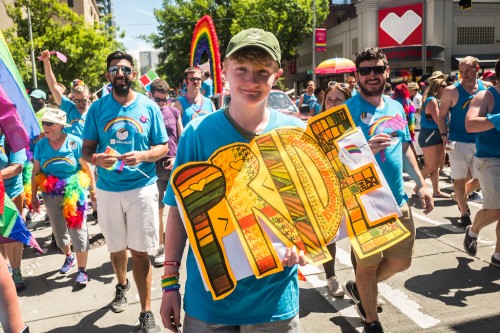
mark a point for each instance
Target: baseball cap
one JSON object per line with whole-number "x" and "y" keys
{"x": 37, "y": 93}
{"x": 254, "y": 37}
{"x": 488, "y": 74}
{"x": 413, "y": 85}
{"x": 55, "y": 116}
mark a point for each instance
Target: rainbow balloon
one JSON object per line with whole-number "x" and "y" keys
{"x": 205, "y": 41}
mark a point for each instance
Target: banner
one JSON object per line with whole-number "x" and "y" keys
{"x": 320, "y": 38}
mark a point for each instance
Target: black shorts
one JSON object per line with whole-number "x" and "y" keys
{"x": 429, "y": 137}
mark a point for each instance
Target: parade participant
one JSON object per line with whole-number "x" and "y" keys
{"x": 335, "y": 96}
{"x": 252, "y": 67}
{"x": 366, "y": 107}
{"x": 306, "y": 98}
{"x": 76, "y": 109}
{"x": 429, "y": 138}
{"x": 416, "y": 97}
{"x": 351, "y": 85}
{"x": 193, "y": 104}
{"x": 123, "y": 137}
{"x": 11, "y": 168}
{"x": 483, "y": 118}
{"x": 402, "y": 95}
{"x": 63, "y": 177}
{"x": 173, "y": 124}
{"x": 207, "y": 87}
{"x": 455, "y": 101}
{"x": 316, "y": 105}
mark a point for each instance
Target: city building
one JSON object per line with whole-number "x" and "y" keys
{"x": 105, "y": 8}
{"x": 5, "y": 20}
{"x": 405, "y": 29}
{"x": 86, "y": 8}
{"x": 148, "y": 60}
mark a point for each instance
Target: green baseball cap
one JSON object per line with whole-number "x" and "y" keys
{"x": 254, "y": 37}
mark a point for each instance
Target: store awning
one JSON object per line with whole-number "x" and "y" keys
{"x": 485, "y": 60}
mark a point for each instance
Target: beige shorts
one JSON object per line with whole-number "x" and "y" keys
{"x": 402, "y": 250}
{"x": 462, "y": 160}
{"x": 129, "y": 219}
{"x": 489, "y": 179}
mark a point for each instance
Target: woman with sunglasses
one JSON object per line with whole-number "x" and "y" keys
{"x": 63, "y": 177}
{"x": 429, "y": 138}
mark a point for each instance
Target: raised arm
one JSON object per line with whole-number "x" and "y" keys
{"x": 50, "y": 77}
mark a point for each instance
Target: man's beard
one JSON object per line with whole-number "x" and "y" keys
{"x": 121, "y": 90}
{"x": 376, "y": 92}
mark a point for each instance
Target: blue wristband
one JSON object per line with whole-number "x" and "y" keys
{"x": 495, "y": 119}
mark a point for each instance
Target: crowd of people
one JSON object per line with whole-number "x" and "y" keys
{"x": 120, "y": 150}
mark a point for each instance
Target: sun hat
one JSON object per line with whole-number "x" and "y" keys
{"x": 413, "y": 85}
{"x": 254, "y": 37}
{"x": 55, "y": 116}
{"x": 37, "y": 93}
{"x": 437, "y": 75}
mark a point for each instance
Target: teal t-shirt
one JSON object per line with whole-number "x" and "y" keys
{"x": 208, "y": 86}
{"x": 272, "y": 298}
{"x": 487, "y": 141}
{"x": 315, "y": 106}
{"x": 62, "y": 163}
{"x": 135, "y": 127}
{"x": 13, "y": 185}
{"x": 190, "y": 111}
{"x": 371, "y": 121}
{"x": 73, "y": 116}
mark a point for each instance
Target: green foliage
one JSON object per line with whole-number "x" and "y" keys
{"x": 57, "y": 28}
{"x": 289, "y": 20}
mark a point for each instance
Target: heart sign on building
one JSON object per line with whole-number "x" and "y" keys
{"x": 400, "y": 26}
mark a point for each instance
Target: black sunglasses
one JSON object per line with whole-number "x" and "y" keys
{"x": 44, "y": 123}
{"x": 77, "y": 101}
{"x": 158, "y": 100}
{"x": 193, "y": 79}
{"x": 113, "y": 70}
{"x": 376, "y": 69}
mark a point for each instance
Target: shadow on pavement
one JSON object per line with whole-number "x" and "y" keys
{"x": 452, "y": 286}
{"x": 87, "y": 324}
{"x": 473, "y": 325}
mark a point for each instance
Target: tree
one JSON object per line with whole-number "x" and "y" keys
{"x": 289, "y": 20}
{"x": 57, "y": 28}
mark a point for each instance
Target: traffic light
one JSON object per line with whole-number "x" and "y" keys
{"x": 466, "y": 4}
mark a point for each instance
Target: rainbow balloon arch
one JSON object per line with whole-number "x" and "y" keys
{"x": 205, "y": 41}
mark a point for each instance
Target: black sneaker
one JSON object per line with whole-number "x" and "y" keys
{"x": 495, "y": 262}
{"x": 374, "y": 327}
{"x": 470, "y": 243}
{"x": 465, "y": 221}
{"x": 351, "y": 290}
{"x": 120, "y": 302}
{"x": 147, "y": 323}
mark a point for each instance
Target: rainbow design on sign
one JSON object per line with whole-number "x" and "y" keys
{"x": 129, "y": 120}
{"x": 353, "y": 149}
{"x": 205, "y": 41}
{"x": 119, "y": 164}
{"x": 55, "y": 159}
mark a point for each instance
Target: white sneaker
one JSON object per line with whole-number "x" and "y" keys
{"x": 159, "y": 257}
{"x": 334, "y": 287}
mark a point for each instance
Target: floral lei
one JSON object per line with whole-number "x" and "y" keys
{"x": 74, "y": 205}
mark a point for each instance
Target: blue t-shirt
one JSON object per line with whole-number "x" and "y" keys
{"x": 315, "y": 106}
{"x": 135, "y": 127}
{"x": 271, "y": 298}
{"x": 371, "y": 121}
{"x": 208, "y": 86}
{"x": 427, "y": 123}
{"x": 190, "y": 111}
{"x": 457, "y": 131}
{"x": 62, "y": 163}
{"x": 73, "y": 116}
{"x": 13, "y": 185}
{"x": 487, "y": 142}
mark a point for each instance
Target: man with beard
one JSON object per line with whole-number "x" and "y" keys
{"x": 366, "y": 108}
{"x": 76, "y": 109}
{"x": 123, "y": 137}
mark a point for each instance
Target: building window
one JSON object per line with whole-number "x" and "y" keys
{"x": 476, "y": 35}
{"x": 354, "y": 46}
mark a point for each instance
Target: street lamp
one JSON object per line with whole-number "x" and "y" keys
{"x": 314, "y": 42}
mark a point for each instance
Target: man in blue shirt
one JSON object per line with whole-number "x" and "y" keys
{"x": 123, "y": 137}
{"x": 390, "y": 145}
{"x": 207, "y": 87}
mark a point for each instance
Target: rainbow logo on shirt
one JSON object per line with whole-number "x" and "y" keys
{"x": 466, "y": 104}
{"x": 56, "y": 159}
{"x": 134, "y": 123}
{"x": 2, "y": 150}
{"x": 76, "y": 121}
{"x": 352, "y": 149}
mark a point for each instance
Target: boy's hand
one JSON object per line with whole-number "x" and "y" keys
{"x": 292, "y": 258}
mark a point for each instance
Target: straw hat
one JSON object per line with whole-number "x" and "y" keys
{"x": 413, "y": 85}
{"x": 437, "y": 75}
{"x": 54, "y": 116}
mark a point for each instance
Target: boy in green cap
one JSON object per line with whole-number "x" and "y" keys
{"x": 271, "y": 304}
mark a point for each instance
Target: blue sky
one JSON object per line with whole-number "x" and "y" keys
{"x": 136, "y": 18}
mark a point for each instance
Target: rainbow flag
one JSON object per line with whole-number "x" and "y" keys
{"x": 17, "y": 117}
{"x": 13, "y": 228}
{"x": 119, "y": 164}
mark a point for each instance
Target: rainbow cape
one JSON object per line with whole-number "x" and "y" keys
{"x": 13, "y": 228}
{"x": 17, "y": 117}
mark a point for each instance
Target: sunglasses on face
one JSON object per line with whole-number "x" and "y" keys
{"x": 44, "y": 123}
{"x": 194, "y": 79}
{"x": 78, "y": 101}
{"x": 113, "y": 70}
{"x": 367, "y": 70}
{"x": 159, "y": 100}
{"x": 351, "y": 82}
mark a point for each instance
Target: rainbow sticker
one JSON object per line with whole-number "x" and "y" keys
{"x": 353, "y": 149}
{"x": 134, "y": 123}
{"x": 205, "y": 41}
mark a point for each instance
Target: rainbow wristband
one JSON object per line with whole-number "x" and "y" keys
{"x": 170, "y": 282}
{"x": 174, "y": 287}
